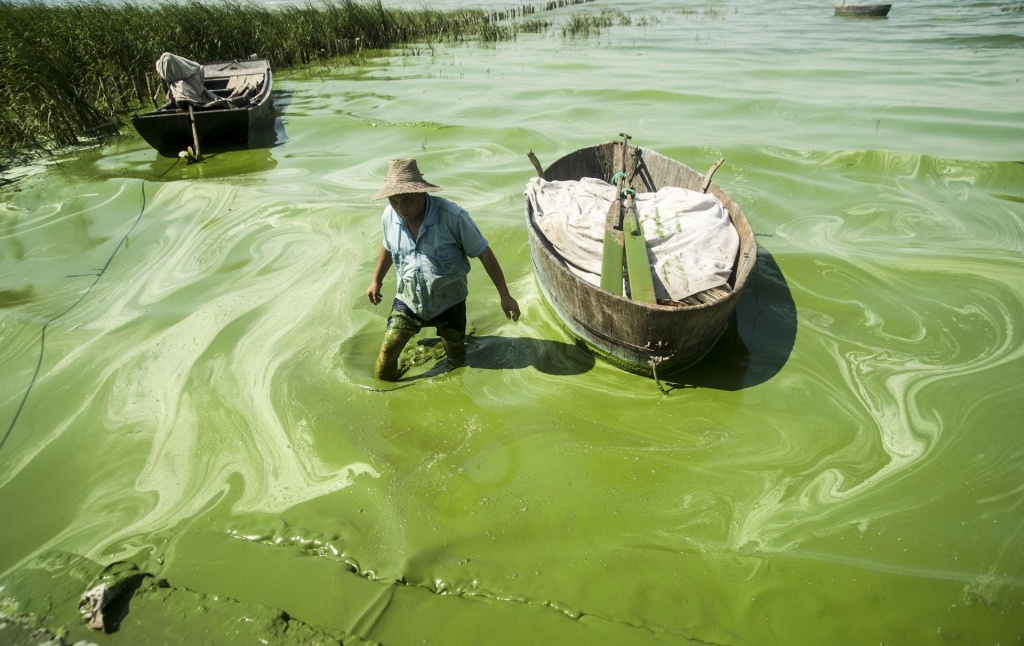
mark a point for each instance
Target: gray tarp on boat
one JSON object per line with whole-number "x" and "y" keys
{"x": 186, "y": 82}
{"x": 184, "y": 78}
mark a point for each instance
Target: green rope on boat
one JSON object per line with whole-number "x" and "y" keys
{"x": 617, "y": 176}
{"x": 628, "y": 191}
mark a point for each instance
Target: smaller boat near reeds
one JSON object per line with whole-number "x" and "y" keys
{"x": 862, "y": 10}
{"x": 222, "y": 102}
{"x": 641, "y": 258}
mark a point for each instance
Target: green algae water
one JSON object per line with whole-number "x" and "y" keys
{"x": 187, "y": 356}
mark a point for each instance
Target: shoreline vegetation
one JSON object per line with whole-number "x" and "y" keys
{"x": 74, "y": 72}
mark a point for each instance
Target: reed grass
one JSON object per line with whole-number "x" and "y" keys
{"x": 76, "y": 70}
{"x": 584, "y": 25}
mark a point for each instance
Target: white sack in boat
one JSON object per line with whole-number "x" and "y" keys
{"x": 691, "y": 243}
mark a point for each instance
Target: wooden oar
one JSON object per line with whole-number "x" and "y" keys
{"x": 638, "y": 266}
{"x": 613, "y": 254}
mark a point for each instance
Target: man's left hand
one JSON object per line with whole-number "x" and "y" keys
{"x": 510, "y": 307}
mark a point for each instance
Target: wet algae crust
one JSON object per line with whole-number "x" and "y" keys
{"x": 224, "y": 588}
{"x": 40, "y": 605}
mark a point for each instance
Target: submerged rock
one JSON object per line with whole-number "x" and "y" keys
{"x": 104, "y": 604}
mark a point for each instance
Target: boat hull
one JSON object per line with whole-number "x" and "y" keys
{"x": 863, "y": 10}
{"x": 170, "y": 131}
{"x": 647, "y": 339}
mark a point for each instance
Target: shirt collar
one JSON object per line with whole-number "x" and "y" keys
{"x": 429, "y": 212}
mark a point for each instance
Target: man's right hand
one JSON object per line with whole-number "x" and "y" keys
{"x": 373, "y": 292}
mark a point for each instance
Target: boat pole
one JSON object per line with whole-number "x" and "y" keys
{"x": 195, "y": 133}
{"x": 536, "y": 163}
{"x": 706, "y": 184}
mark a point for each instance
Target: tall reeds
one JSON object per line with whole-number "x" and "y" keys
{"x": 583, "y": 25}
{"x": 76, "y": 69}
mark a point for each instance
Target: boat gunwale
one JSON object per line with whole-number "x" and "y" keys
{"x": 257, "y": 102}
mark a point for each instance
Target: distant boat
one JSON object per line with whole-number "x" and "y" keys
{"x": 645, "y": 338}
{"x": 863, "y": 10}
{"x": 216, "y": 103}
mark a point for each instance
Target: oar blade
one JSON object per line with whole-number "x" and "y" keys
{"x": 611, "y": 262}
{"x": 641, "y": 283}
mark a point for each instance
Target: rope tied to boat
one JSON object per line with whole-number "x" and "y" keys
{"x": 654, "y": 361}
{"x": 617, "y": 176}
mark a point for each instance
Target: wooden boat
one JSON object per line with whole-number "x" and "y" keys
{"x": 643, "y": 338}
{"x": 863, "y": 10}
{"x": 239, "y": 101}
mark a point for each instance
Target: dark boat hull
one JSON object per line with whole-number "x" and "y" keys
{"x": 170, "y": 131}
{"x": 863, "y": 10}
{"x": 641, "y": 338}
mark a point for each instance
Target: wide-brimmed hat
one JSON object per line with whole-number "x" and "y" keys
{"x": 404, "y": 176}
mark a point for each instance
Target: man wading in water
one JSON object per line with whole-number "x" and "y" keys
{"x": 429, "y": 240}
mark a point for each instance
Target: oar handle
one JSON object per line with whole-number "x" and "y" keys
{"x": 634, "y": 219}
{"x": 619, "y": 178}
{"x": 622, "y": 162}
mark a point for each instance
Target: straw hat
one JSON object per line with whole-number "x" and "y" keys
{"x": 404, "y": 176}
